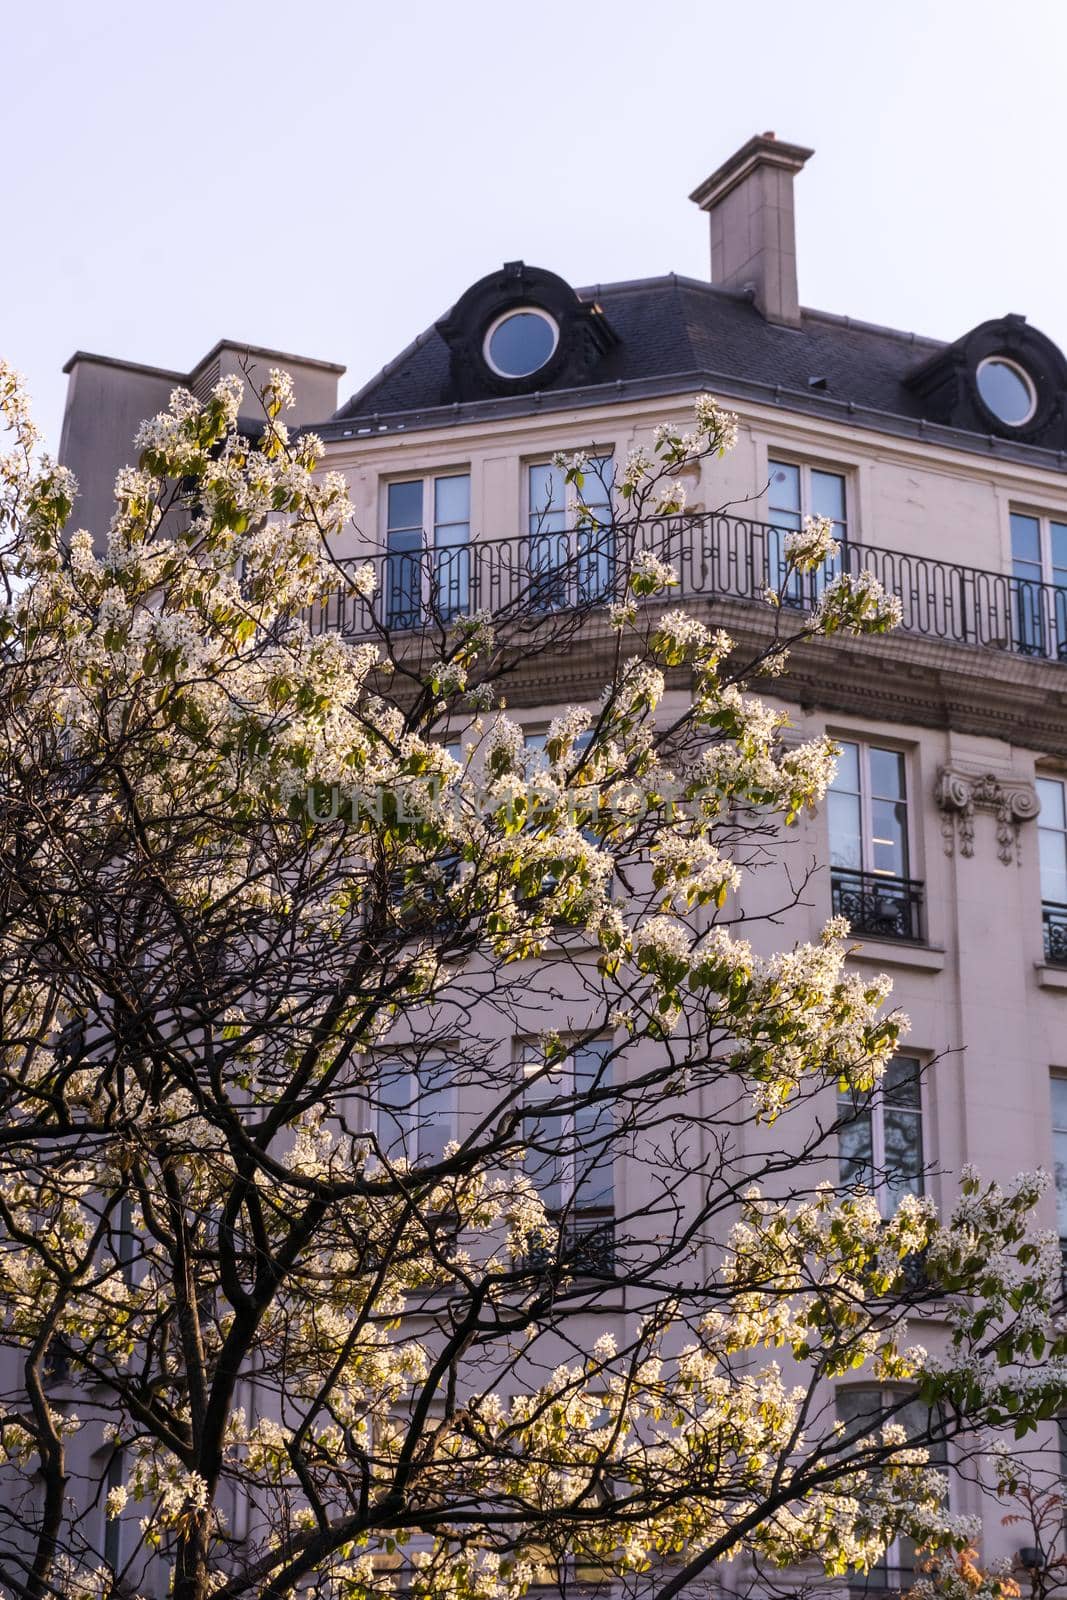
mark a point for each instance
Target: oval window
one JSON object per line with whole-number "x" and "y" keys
{"x": 520, "y": 342}
{"x": 1007, "y": 390}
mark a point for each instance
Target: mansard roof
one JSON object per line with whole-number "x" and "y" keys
{"x": 669, "y": 335}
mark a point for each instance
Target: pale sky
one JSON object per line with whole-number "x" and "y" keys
{"x": 328, "y": 178}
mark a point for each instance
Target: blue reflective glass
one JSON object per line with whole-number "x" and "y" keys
{"x": 452, "y": 499}
{"x": 521, "y": 344}
{"x": 1057, "y": 538}
{"x": 405, "y": 504}
{"x": 1025, "y": 538}
{"x": 828, "y": 495}
{"x": 784, "y": 491}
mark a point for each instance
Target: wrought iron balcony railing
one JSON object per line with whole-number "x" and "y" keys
{"x": 585, "y": 1243}
{"x": 716, "y": 557}
{"x": 881, "y": 907}
{"x": 1054, "y": 918}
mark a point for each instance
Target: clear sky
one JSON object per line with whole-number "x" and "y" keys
{"x": 327, "y": 178}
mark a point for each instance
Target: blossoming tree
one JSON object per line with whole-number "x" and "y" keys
{"x": 310, "y": 1281}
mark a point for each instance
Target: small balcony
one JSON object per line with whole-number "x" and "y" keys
{"x": 880, "y": 907}
{"x": 585, "y": 1244}
{"x": 1054, "y": 921}
{"x": 716, "y": 557}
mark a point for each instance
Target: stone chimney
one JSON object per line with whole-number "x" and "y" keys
{"x": 749, "y": 200}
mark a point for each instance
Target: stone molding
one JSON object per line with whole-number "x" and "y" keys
{"x": 959, "y": 794}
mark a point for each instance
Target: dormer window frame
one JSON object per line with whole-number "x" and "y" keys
{"x": 499, "y": 321}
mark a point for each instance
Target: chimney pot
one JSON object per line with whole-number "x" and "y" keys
{"x": 749, "y": 201}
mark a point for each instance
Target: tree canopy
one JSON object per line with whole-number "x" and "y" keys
{"x": 410, "y": 1173}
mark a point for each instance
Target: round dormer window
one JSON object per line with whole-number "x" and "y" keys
{"x": 519, "y": 343}
{"x": 1007, "y": 390}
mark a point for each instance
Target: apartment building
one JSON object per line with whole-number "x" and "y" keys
{"x": 943, "y": 466}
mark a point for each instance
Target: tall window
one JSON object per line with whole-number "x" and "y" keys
{"x": 446, "y": 501}
{"x": 1039, "y": 584}
{"x": 1059, "y": 1153}
{"x": 880, "y": 1138}
{"x": 416, "y": 1112}
{"x": 869, "y": 854}
{"x": 797, "y": 491}
{"x": 569, "y": 1149}
{"x": 862, "y": 1408}
{"x": 1052, "y": 852}
{"x": 571, "y": 553}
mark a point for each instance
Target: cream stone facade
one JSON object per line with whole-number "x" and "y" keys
{"x": 971, "y": 693}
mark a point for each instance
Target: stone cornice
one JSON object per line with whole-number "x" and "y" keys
{"x": 900, "y": 678}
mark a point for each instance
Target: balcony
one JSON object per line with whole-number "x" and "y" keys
{"x": 1054, "y": 920}
{"x": 585, "y": 1244}
{"x": 716, "y": 557}
{"x": 880, "y": 907}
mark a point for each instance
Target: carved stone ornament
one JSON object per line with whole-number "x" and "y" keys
{"x": 960, "y": 794}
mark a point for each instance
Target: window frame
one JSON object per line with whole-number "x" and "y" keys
{"x": 803, "y": 589}
{"x": 997, "y": 359}
{"x": 880, "y": 904}
{"x": 576, "y": 1220}
{"x": 569, "y": 559}
{"x": 865, "y": 745}
{"x": 805, "y": 466}
{"x": 895, "y": 1571}
{"x": 593, "y": 452}
{"x": 429, "y": 551}
{"x": 378, "y": 1110}
{"x": 1053, "y": 911}
{"x": 523, "y": 309}
{"x": 1038, "y": 625}
{"x": 1058, "y": 1075}
{"x": 874, "y": 1107}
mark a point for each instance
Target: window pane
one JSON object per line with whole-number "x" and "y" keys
{"x": 1059, "y": 1150}
{"x": 1052, "y": 854}
{"x": 859, "y": 1408}
{"x": 435, "y": 1121}
{"x": 902, "y": 1134}
{"x": 916, "y": 1419}
{"x": 1050, "y": 794}
{"x": 521, "y": 343}
{"x": 403, "y": 577}
{"x": 405, "y": 504}
{"x": 900, "y": 1086}
{"x": 536, "y": 754}
{"x": 594, "y": 1156}
{"x": 887, "y": 774}
{"x": 1059, "y": 1104}
{"x": 547, "y": 499}
{"x": 844, "y": 818}
{"x": 784, "y": 491}
{"x": 1057, "y": 538}
{"x": 394, "y": 1119}
{"x": 889, "y": 851}
{"x": 828, "y": 495}
{"x": 1007, "y": 393}
{"x": 855, "y": 1149}
{"x": 847, "y": 776}
{"x": 599, "y": 478}
{"x": 545, "y": 1132}
{"x": 452, "y": 499}
{"x": 1025, "y": 538}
